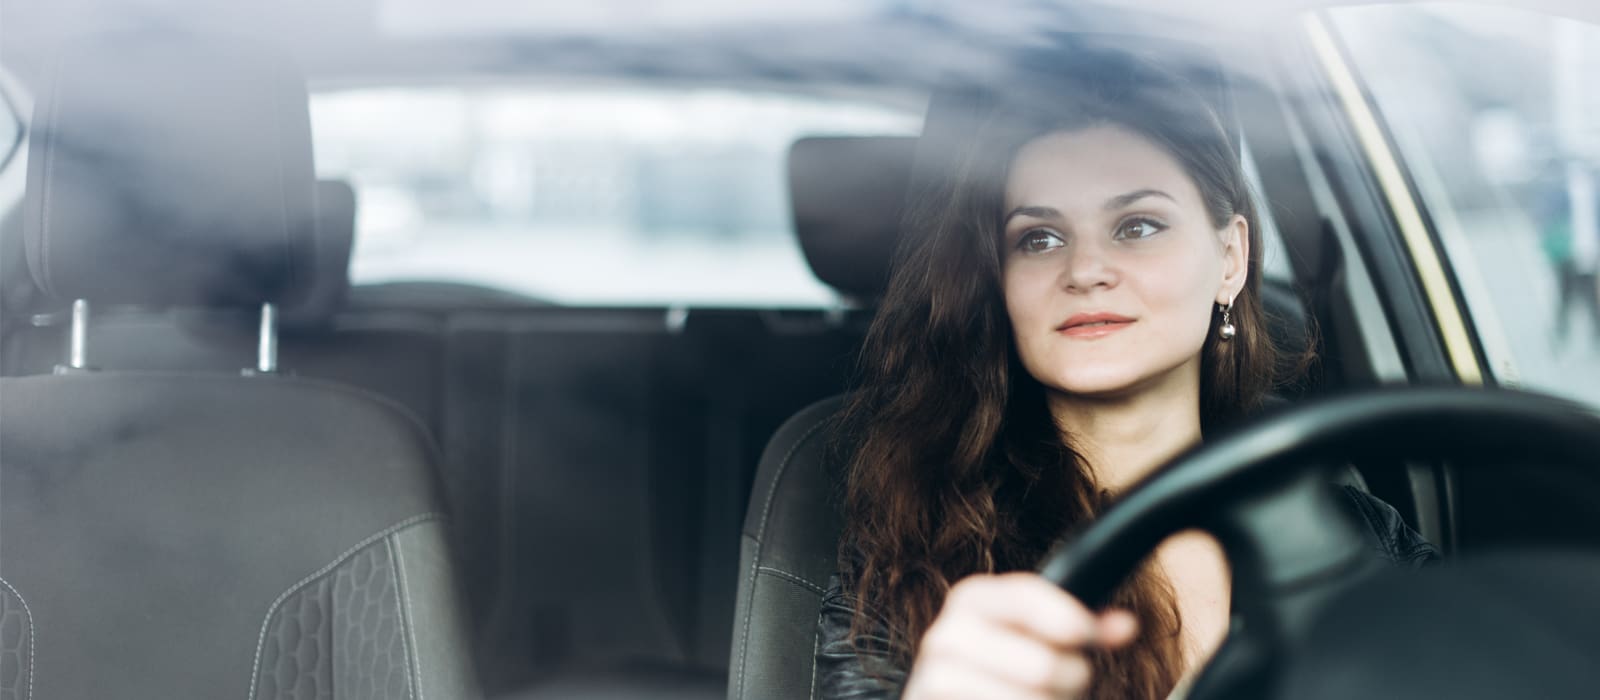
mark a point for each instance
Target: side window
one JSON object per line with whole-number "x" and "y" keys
{"x": 1495, "y": 114}
{"x": 1274, "y": 257}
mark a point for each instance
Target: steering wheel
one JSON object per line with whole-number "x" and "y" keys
{"x": 1264, "y": 493}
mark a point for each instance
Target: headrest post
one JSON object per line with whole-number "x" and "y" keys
{"x": 77, "y": 352}
{"x": 267, "y": 352}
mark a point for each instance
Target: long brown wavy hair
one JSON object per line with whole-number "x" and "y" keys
{"x": 955, "y": 465}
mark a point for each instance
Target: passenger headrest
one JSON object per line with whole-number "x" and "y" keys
{"x": 848, "y": 194}
{"x": 170, "y": 170}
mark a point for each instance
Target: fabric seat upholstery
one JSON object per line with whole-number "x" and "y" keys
{"x": 169, "y": 535}
{"x": 786, "y": 554}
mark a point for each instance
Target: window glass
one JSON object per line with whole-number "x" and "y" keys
{"x": 10, "y": 131}
{"x": 1496, "y": 115}
{"x": 583, "y": 197}
{"x": 1274, "y": 260}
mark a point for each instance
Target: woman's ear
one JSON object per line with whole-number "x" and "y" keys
{"x": 1235, "y": 240}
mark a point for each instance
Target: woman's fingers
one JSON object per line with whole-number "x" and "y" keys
{"x": 1028, "y": 603}
{"x": 1006, "y": 653}
{"x": 1117, "y": 628}
{"x": 954, "y": 681}
{"x": 1013, "y": 635}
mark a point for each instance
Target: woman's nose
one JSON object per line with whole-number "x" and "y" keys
{"x": 1087, "y": 266}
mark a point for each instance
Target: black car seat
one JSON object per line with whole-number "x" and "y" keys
{"x": 200, "y": 535}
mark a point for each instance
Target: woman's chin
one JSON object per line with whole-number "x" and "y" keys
{"x": 1120, "y": 381}
{"x": 1102, "y": 386}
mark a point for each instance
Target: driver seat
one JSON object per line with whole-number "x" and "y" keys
{"x": 847, "y": 194}
{"x": 786, "y": 553}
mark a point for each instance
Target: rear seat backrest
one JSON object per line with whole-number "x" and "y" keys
{"x": 549, "y": 422}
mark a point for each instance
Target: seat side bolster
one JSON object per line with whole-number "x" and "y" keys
{"x": 442, "y": 658}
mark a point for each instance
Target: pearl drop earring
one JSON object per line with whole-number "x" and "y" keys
{"x": 1227, "y": 331}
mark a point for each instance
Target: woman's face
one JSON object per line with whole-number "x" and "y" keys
{"x": 1111, "y": 264}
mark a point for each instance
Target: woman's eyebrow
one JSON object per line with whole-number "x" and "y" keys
{"x": 1122, "y": 200}
{"x": 1035, "y": 212}
{"x": 1118, "y": 202}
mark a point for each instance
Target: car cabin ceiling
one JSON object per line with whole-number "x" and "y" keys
{"x": 853, "y": 41}
{"x": 837, "y": 42}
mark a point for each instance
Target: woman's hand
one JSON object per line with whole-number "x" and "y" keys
{"x": 1012, "y": 636}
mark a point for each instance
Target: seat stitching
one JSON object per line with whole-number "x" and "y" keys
{"x": 409, "y": 625}
{"x": 792, "y": 578}
{"x": 783, "y": 466}
{"x": 261, "y": 640}
{"x": 405, "y": 629}
{"x": 29, "y": 613}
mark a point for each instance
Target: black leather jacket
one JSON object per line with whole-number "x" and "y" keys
{"x": 865, "y": 671}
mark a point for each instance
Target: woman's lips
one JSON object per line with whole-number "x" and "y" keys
{"x": 1093, "y": 325}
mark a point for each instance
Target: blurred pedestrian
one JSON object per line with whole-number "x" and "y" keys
{"x": 1570, "y": 237}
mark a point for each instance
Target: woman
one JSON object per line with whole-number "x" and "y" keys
{"x": 1074, "y": 304}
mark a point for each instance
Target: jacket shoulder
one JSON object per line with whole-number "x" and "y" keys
{"x": 1390, "y": 535}
{"x": 860, "y": 667}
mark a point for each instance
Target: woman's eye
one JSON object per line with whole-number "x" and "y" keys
{"x": 1139, "y": 228}
{"x": 1039, "y": 241}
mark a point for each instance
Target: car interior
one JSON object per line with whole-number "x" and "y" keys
{"x": 224, "y": 461}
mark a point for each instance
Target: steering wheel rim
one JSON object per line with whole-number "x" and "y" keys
{"x": 1263, "y": 492}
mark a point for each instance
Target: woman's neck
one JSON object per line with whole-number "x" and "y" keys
{"x": 1125, "y": 438}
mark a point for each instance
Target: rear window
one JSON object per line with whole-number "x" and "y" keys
{"x": 606, "y": 197}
